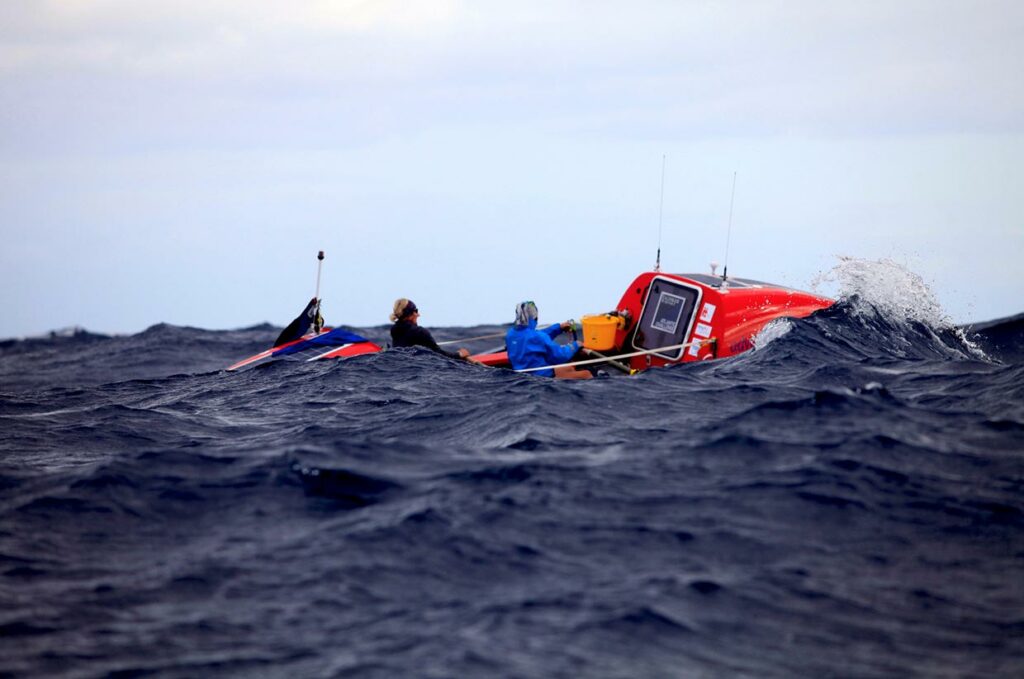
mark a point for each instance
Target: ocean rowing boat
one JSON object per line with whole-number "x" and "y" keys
{"x": 667, "y": 318}
{"x": 662, "y": 319}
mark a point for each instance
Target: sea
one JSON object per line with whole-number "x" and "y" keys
{"x": 844, "y": 500}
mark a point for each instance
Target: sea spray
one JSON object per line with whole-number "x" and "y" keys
{"x": 885, "y": 285}
{"x": 888, "y": 289}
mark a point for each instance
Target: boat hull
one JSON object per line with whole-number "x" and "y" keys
{"x": 330, "y": 343}
{"x": 714, "y": 318}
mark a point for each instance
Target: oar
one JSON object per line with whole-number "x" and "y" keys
{"x": 470, "y": 339}
{"x": 611, "y": 361}
{"x": 614, "y": 358}
{"x": 494, "y": 336}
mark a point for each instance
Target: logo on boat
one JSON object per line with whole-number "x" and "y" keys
{"x": 742, "y": 345}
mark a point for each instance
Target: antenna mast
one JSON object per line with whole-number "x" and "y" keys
{"x": 728, "y": 233}
{"x": 661, "y": 210}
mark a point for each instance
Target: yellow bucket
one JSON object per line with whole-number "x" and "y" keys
{"x": 599, "y": 331}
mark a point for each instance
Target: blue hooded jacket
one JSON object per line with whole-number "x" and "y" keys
{"x": 529, "y": 347}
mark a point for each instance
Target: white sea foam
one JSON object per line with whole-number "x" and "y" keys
{"x": 771, "y": 332}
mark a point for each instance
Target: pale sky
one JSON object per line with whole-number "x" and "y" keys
{"x": 183, "y": 162}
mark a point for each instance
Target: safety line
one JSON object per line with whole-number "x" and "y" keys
{"x": 614, "y": 358}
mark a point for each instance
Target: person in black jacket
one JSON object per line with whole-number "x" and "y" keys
{"x": 406, "y": 333}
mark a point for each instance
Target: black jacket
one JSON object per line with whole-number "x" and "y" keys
{"x": 405, "y": 334}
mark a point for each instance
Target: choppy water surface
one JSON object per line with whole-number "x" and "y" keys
{"x": 846, "y": 500}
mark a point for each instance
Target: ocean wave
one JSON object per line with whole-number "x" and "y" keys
{"x": 846, "y": 495}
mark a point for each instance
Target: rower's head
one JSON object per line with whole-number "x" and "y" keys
{"x": 405, "y": 310}
{"x": 525, "y": 312}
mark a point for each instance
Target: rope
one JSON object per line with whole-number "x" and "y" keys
{"x": 615, "y": 358}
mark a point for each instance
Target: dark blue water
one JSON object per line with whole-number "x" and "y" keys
{"x": 846, "y": 500}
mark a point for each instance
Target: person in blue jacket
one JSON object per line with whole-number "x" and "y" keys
{"x": 529, "y": 347}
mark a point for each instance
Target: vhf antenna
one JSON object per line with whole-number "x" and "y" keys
{"x": 728, "y": 233}
{"x": 661, "y": 209}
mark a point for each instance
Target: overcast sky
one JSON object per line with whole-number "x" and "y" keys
{"x": 183, "y": 162}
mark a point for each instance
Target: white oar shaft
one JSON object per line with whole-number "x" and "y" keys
{"x": 329, "y": 350}
{"x": 319, "y": 267}
{"x": 615, "y": 358}
{"x": 470, "y": 339}
{"x": 611, "y": 362}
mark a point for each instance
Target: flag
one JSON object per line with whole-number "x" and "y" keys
{"x": 300, "y": 326}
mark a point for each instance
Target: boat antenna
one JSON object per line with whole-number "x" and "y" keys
{"x": 661, "y": 210}
{"x": 728, "y": 233}
{"x": 319, "y": 266}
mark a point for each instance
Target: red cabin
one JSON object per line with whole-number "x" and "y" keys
{"x": 713, "y": 317}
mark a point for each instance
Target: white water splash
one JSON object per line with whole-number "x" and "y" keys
{"x": 887, "y": 286}
{"x": 771, "y": 332}
{"x": 892, "y": 290}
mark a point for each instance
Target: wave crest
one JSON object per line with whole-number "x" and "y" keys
{"x": 887, "y": 287}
